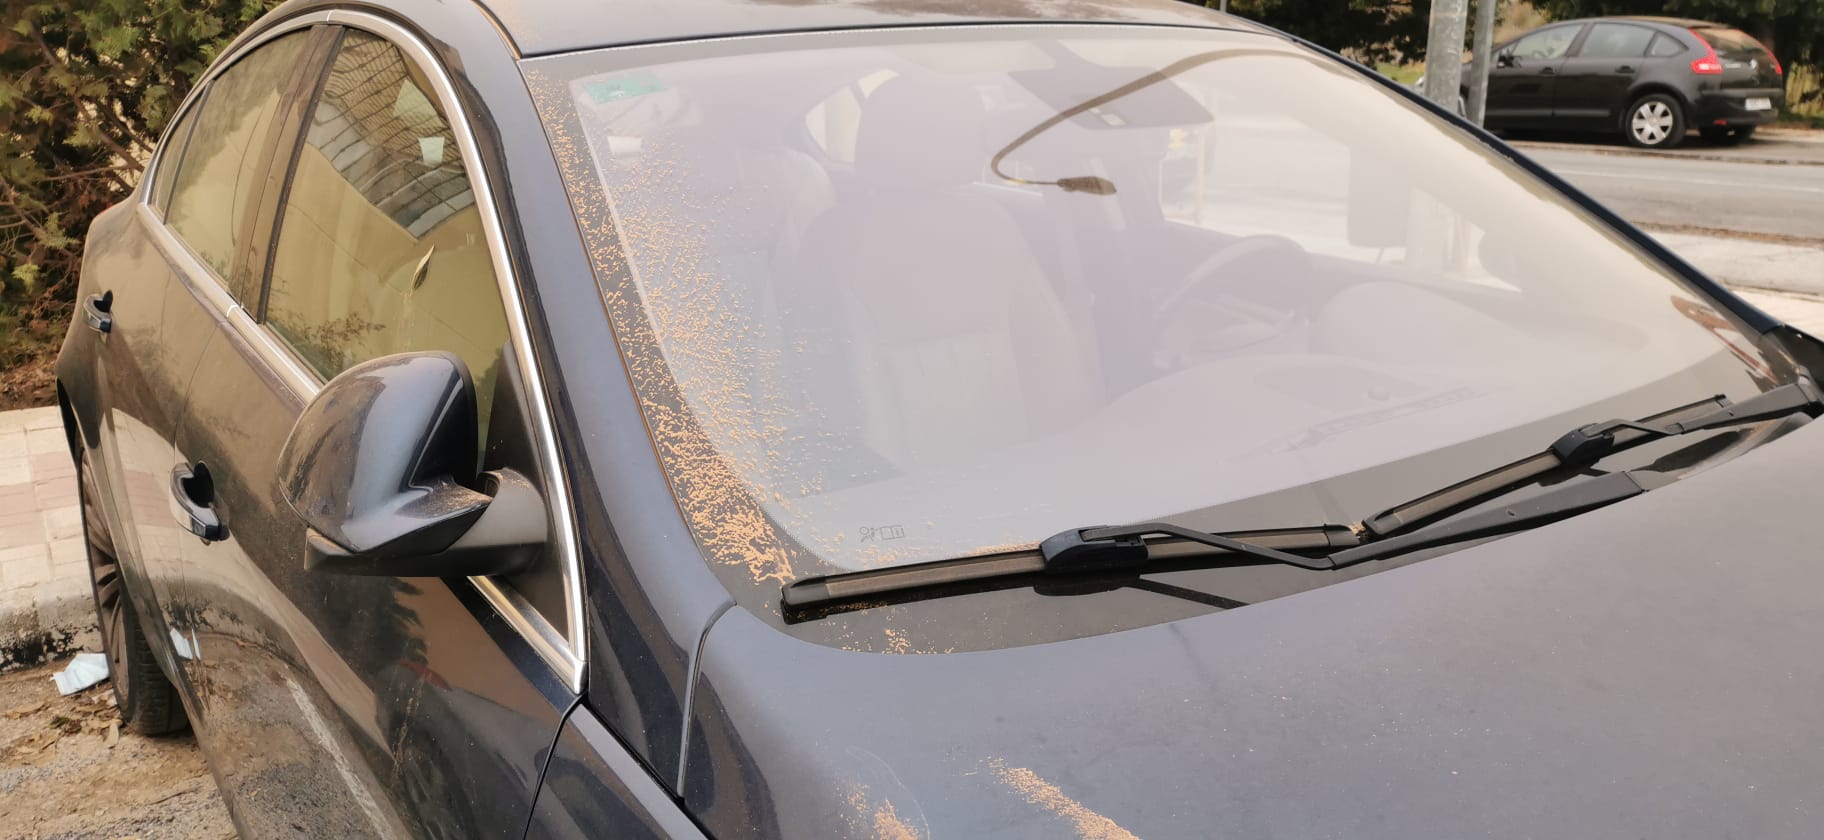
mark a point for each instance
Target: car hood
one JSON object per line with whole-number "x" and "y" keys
{"x": 1648, "y": 669}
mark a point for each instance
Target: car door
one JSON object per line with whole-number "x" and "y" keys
{"x": 1525, "y": 77}
{"x": 1594, "y": 80}
{"x": 350, "y": 705}
{"x": 179, "y": 248}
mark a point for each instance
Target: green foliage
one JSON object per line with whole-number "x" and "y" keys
{"x": 1793, "y": 29}
{"x": 1366, "y": 30}
{"x": 85, "y": 90}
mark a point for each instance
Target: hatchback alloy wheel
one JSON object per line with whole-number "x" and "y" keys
{"x": 1655, "y": 123}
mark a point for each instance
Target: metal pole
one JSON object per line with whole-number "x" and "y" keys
{"x": 1478, "y": 72}
{"x": 1444, "y": 52}
{"x": 1225, "y": 6}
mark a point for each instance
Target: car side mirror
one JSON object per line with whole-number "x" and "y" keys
{"x": 1506, "y": 59}
{"x": 381, "y": 467}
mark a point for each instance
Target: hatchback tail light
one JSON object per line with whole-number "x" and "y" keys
{"x": 1707, "y": 66}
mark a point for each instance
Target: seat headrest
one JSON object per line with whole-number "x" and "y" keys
{"x": 921, "y": 132}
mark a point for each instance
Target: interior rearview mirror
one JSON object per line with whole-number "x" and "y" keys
{"x": 381, "y": 466}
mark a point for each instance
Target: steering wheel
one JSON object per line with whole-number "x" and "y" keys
{"x": 1235, "y": 298}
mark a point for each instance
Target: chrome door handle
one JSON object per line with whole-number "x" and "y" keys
{"x": 195, "y": 494}
{"x": 97, "y": 312}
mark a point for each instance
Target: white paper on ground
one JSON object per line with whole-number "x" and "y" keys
{"x": 83, "y": 671}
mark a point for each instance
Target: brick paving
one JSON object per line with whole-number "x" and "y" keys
{"x": 43, "y": 575}
{"x": 40, "y": 524}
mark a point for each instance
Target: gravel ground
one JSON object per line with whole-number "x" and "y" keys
{"x": 68, "y": 772}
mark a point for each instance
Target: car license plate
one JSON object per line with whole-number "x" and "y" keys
{"x": 1759, "y": 104}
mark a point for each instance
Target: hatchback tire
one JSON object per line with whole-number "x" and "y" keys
{"x": 148, "y": 702}
{"x": 1654, "y": 121}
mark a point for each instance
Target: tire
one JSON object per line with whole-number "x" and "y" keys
{"x": 148, "y": 702}
{"x": 1654, "y": 121}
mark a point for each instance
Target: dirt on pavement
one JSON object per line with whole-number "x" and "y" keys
{"x": 67, "y": 771}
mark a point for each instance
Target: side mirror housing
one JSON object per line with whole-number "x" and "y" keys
{"x": 381, "y": 467}
{"x": 1506, "y": 59}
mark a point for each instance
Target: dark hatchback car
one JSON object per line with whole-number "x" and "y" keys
{"x": 1652, "y": 79}
{"x": 506, "y": 420}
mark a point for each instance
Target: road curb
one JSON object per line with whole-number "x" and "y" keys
{"x": 1627, "y": 151}
{"x": 57, "y": 619}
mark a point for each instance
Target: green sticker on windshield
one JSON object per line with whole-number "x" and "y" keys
{"x": 623, "y": 87}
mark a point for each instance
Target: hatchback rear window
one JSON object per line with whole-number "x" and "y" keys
{"x": 1734, "y": 45}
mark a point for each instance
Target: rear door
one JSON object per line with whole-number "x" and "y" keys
{"x": 1593, "y": 82}
{"x": 166, "y": 280}
{"x": 1525, "y": 77}
{"x": 371, "y": 706}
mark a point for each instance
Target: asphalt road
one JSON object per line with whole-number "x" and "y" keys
{"x": 1777, "y": 200}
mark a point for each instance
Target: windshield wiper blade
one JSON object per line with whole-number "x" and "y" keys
{"x": 1548, "y": 507}
{"x": 1127, "y": 547}
{"x": 1097, "y": 549}
{"x": 1585, "y": 446}
{"x": 1329, "y": 547}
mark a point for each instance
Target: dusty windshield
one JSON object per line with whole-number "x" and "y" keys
{"x": 896, "y": 297}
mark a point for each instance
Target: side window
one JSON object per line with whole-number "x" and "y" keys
{"x": 1616, "y": 40}
{"x": 380, "y": 245}
{"x": 1546, "y": 44}
{"x": 218, "y": 181}
{"x": 1665, "y": 46}
{"x": 173, "y": 154}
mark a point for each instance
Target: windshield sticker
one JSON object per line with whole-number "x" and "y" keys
{"x": 618, "y": 88}
{"x": 882, "y": 533}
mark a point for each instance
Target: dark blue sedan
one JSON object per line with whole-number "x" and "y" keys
{"x": 902, "y": 418}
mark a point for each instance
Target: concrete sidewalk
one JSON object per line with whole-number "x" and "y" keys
{"x": 46, "y": 608}
{"x": 1775, "y": 146}
{"x": 1751, "y": 264}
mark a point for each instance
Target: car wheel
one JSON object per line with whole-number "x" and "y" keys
{"x": 1654, "y": 121}
{"x": 148, "y": 703}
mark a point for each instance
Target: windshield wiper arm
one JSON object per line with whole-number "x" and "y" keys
{"x": 1586, "y": 445}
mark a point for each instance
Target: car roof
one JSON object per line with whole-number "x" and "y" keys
{"x": 1683, "y": 23}
{"x": 541, "y": 27}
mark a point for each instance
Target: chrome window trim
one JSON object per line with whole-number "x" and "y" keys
{"x": 156, "y": 161}
{"x": 565, "y": 656}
